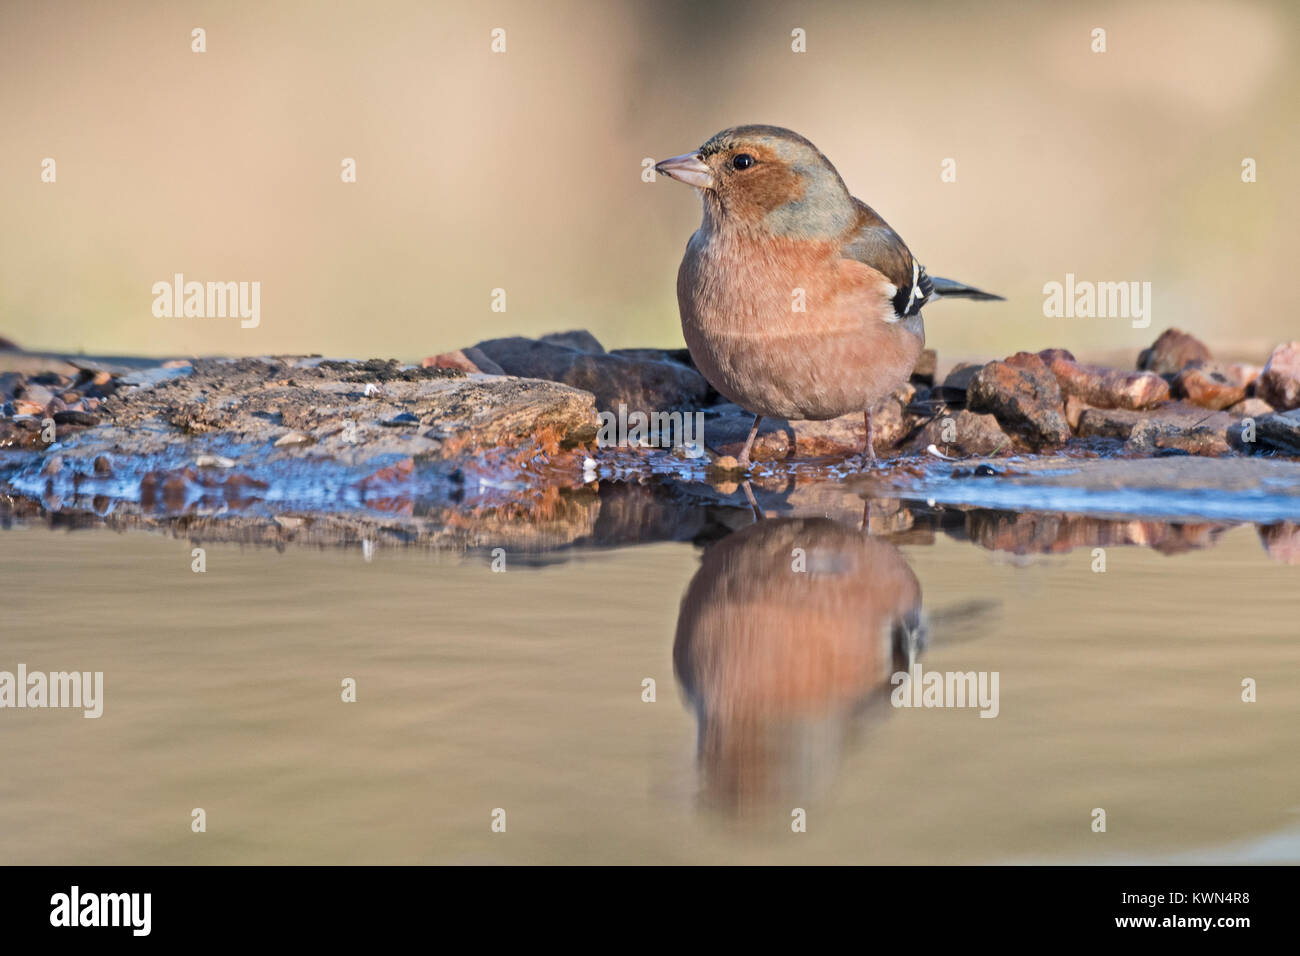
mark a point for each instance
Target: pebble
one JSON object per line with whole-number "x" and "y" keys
{"x": 402, "y": 420}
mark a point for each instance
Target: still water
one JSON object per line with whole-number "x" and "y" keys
{"x": 523, "y": 690}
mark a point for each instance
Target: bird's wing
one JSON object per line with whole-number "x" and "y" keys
{"x": 873, "y": 243}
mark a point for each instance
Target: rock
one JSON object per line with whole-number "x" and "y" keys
{"x": 891, "y": 422}
{"x": 1050, "y": 355}
{"x": 578, "y": 339}
{"x": 727, "y": 426}
{"x": 725, "y": 434}
{"x": 1251, "y": 408}
{"x": 959, "y": 378}
{"x": 24, "y": 407}
{"x": 1074, "y": 408}
{"x": 1179, "y": 426}
{"x": 35, "y": 366}
{"x": 1172, "y": 352}
{"x": 214, "y": 461}
{"x": 255, "y": 401}
{"x": 463, "y": 360}
{"x": 403, "y": 420}
{"x": 964, "y": 433}
{"x": 1279, "y": 432}
{"x": 680, "y": 356}
{"x": 291, "y": 438}
{"x": 1036, "y": 532}
{"x": 1244, "y": 375}
{"x": 926, "y": 365}
{"x": 71, "y": 417}
{"x": 1025, "y": 397}
{"x": 11, "y": 384}
{"x": 1208, "y": 385}
{"x": 1105, "y": 387}
{"x": 149, "y": 377}
{"x": 37, "y": 395}
{"x": 1279, "y": 383}
{"x": 1107, "y": 422}
{"x": 641, "y": 384}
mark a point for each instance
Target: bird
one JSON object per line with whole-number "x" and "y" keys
{"x": 797, "y": 300}
{"x": 778, "y": 660}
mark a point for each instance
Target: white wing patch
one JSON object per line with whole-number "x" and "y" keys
{"x": 911, "y": 295}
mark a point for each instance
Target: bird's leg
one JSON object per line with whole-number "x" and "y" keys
{"x": 749, "y": 442}
{"x": 753, "y": 502}
{"x": 866, "y": 516}
{"x": 868, "y": 450}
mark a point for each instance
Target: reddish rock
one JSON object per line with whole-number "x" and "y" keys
{"x": 1048, "y": 533}
{"x": 726, "y": 430}
{"x": 964, "y": 433}
{"x": 1279, "y": 383}
{"x": 1172, "y": 352}
{"x": 1244, "y": 375}
{"x": 1208, "y": 385}
{"x": 890, "y": 420}
{"x": 462, "y": 359}
{"x": 1074, "y": 409}
{"x": 1024, "y": 396}
{"x": 1105, "y": 387}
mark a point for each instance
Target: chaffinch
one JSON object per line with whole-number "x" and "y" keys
{"x": 797, "y": 300}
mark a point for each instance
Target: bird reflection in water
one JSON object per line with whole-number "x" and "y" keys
{"x": 790, "y": 629}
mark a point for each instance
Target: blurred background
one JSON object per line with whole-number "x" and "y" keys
{"x": 522, "y": 170}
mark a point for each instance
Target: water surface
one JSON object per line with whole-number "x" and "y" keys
{"x": 522, "y": 690}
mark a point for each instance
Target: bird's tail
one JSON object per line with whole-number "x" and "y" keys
{"x": 951, "y": 289}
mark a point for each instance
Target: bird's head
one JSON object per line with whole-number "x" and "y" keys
{"x": 768, "y": 179}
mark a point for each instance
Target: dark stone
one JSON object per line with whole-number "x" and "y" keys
{"x": 578, "y": 339}
{"x": 641, "y": 384}
{"x": 1173, "y": 351}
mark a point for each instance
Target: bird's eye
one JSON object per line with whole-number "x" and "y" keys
{"x": 742, "y": 161}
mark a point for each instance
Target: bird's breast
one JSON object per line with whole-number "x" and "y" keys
{"x": 788, "y": 328}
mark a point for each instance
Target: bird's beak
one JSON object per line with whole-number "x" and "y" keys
{"x": 688, "y": 168}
